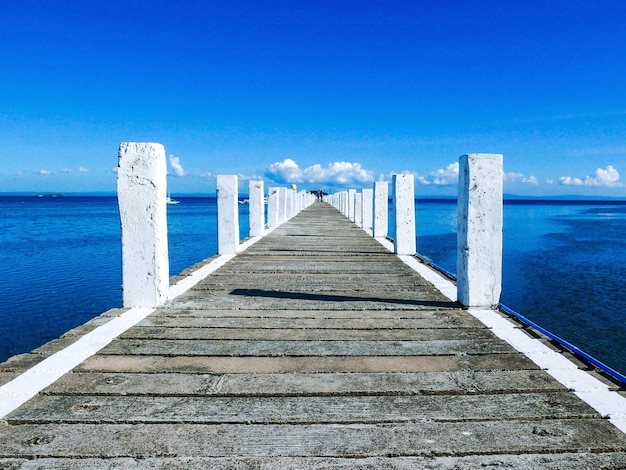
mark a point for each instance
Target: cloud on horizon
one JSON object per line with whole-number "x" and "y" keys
{"x": 447, "y": 176}
{"x": 520, "y": 177}
{"x": 603, "y": 177}
{"x": 342, "y": 173}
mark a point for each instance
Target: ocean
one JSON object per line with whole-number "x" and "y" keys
{"x": 564, "y": 263}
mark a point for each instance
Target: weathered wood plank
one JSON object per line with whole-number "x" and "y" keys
{"x": 353, "y": 384}
{"x": 560, "y": 461}
{"x": 286, "y": 365}
{"x": 271, "y": 265}
{"x": 274, "y": 322}
{"x": 300, "y": 410}
{"x": 306, "y": 334}
{"x": 458, "y": 315}
{"x": 356, "y": 440}
{"x": 263, "y": 299}
{"x": 166, "y": 347}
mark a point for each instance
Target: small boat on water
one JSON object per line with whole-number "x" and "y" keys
{"x": 169, "y": 200}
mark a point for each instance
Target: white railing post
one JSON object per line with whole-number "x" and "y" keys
{"x": 292, "y": 192}
{"x": 381, "y": 209}
{"x": 227, "y": 214}
{"x": 479, "y": 233}
{"x": 273, "y": 204}
{"x": 351, "y": 196}
{"x": 256, "y": 208}
{"x": 367, "y": 206}
{"x": 289, "y": 204}
{"x": 282, "y": 209}
{"x": 404, "y": 214}
{"x": 358, "y": 209}
{"x": 141, "y": 195}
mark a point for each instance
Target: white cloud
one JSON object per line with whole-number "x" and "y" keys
{"x": 606, "y": 177}
{"x": 447, "y": 176}
{"x": 176, "y": 166}
{"x": 66, "y": 170}
{"x": 531, "y": 180}
{"x": 83, "y": 170}
{"x": 512, "y": 176}
{"x": 44, "y": 172}
{"x": 288, "y": 171}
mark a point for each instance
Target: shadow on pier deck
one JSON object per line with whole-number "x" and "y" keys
{"x": 315, "y": 348}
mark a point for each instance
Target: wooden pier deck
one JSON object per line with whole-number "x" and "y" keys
{"x": 314, "y": 348}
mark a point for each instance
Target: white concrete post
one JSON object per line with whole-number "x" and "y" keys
{"x": 256, "y": 207}
{"x": 381, "y": 209}
{"x": 282, "y": 209}
{"x": 294, "y": 209}
{"x": 227, "y": 214}
{"x": 141, "y": 195}
{"x": 367, "y": 209}
{"x": 479, "y": 233}
{"x": 272, "y": 207}
{"x": 404, "y": 214}
{"x": 351, "y": 196}
{"x": 358, "y": 209}
{"x": 289, "y": 206}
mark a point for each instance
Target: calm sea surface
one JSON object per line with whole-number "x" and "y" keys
{"x": 564, "y": 263}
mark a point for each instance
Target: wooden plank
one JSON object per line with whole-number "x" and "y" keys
{"x": 570, "y": 461}
{"x": 318, "y": 384}
{"x": 457, "y": 315}
{"x": 323, "y": 322}
{"x": 306, "y": 334}
{"x": 164, "y": 347}
{"x": 286, "y": 365}
{"x": 300, "y": 410}
{"x": 355, "y": 440}
{"x": 263, "y": 299}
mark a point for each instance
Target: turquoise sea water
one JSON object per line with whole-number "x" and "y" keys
{"x": 564, "y": 263}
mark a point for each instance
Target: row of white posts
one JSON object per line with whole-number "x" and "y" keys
{"x": 142, "y": 198}
{"x": 479, "y": 223}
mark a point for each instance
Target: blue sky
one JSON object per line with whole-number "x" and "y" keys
{"x": 319, "y": 93}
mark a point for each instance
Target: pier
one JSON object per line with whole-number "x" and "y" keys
{"x": 312, "y": 345}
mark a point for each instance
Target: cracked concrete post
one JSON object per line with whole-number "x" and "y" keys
{"x": 272, "y": 207}
{"x": 479, "y": 233}
{"x": 404, "y": 214}
{"x": 141, "y": 195}
{"x": 368, "y": 208}
{"x": 358, "y": 209}
{"x": 282, "y": 209}
{"x": 227, "y": 214}
{"x": 351, "y": 197}
{"x": 256, "y": 207}
{"x": 381, "y": 209}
